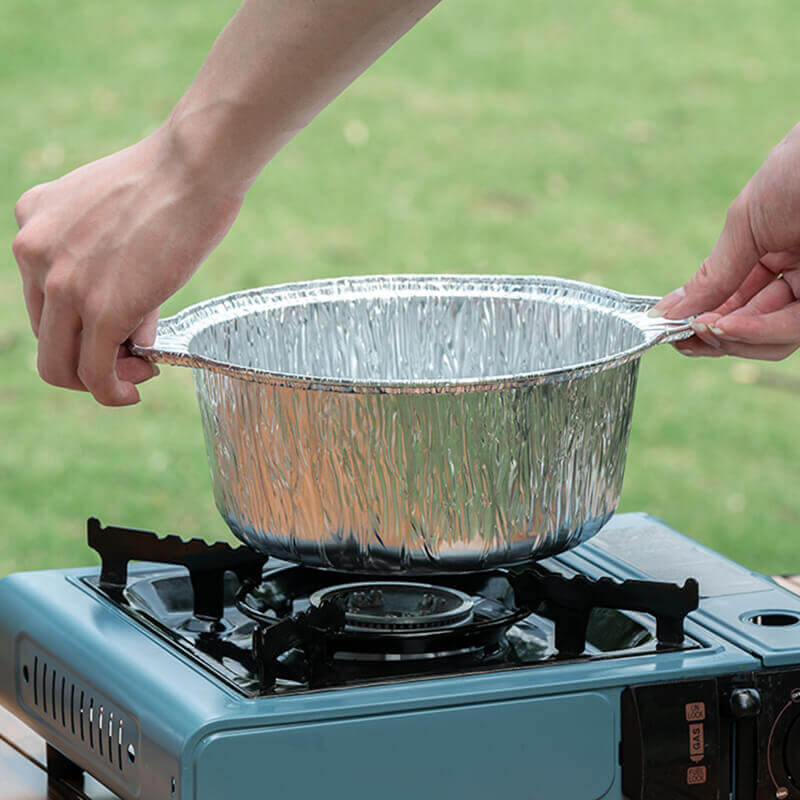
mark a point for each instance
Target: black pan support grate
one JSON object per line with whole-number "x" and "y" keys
{"x": 570, "y": 601}
{"x": 567, "y": 601}
{"x": 207, "y": 563}
{"x": 319, "y": 632}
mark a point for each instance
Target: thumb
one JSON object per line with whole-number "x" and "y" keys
{"x": 730, "y": 261}
{"x": 145, "y": 334}
{"x": 132, "y": 368}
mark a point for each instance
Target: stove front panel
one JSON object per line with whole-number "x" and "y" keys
{"x": 540, "y": 748}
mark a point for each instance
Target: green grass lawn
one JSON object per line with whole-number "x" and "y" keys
{"x": 592, "y": 139}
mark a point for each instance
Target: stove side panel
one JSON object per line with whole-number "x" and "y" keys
{"x": 96, "y": 687}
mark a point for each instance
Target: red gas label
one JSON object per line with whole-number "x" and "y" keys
{"x": 697, "y": 742}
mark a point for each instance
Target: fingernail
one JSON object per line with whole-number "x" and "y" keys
{"x": 699, "y": 327}
{"x": 156, "y": 370}
{"x": 654, "y": 312}
{"x": 716, "y": 331}
{"x": 668, "y": 300}
{"x": 686, "y": 351}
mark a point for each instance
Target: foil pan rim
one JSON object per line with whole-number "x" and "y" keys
{"x": 463, "y": 385}
{"x": 176, "y": 332}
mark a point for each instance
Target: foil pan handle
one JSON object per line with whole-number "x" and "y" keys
{"x": 167, "y": 349}
{"x": 658, "y": 330}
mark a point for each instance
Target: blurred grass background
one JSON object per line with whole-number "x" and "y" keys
{"x": 592, "y": 139}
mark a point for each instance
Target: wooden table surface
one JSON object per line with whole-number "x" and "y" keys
{"x": 22, "y": 756}
{"x": 22, "y": 768}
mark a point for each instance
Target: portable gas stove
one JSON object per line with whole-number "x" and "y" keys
{"x": 599, "y": 673}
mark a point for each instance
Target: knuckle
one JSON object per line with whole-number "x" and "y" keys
{"x": 703, "y": 274}
{"x": 99, "y": 389}
{"x": 91, "y": 309}
{"x": 24, "y": 206}
{"x": 22, "y": 247}
{"x": 29, "y": 246}
{"x": 102, "y": 319}
{"x": 59, "y": 286}
{"x": 90, "y": 378}
{"x": 97, "y": 383}
{"x": 105, "y": 399}
{"x": 44, "y": 373}
{"x": 98, "y": 313}
{"x": 18, "y": 248}
{"x": 783, "y": 353}
{"x": 737, "y": 208}
{"x": 737, "y": 218}
{"x": 52, "y": 376}
{"x": 732, "y": 216}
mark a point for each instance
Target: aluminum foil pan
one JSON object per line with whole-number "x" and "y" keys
{"x": 412, "y": 424}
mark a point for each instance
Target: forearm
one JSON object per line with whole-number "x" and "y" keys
{"x": 274, "y": 67}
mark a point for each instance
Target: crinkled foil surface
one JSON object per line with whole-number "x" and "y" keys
{"x": 415, "y": 424}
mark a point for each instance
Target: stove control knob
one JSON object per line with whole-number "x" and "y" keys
{"x": 791, "y": 752}
{"x": 745, "y": 703}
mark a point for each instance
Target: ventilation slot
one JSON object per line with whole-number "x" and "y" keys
{"x": 44, "y": 687}
{"x": 63, "y": 689}
{"x": 77, "y": 713}
{"x": 91, "y": 723}
{"x": 81, "y": 707}
{"x": 72, "y": 708}
{"x": 53, "y": 695}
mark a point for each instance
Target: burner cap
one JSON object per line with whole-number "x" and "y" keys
{"x": 397, "y": 606}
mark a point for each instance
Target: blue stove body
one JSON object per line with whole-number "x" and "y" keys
{"x": 150, "y": 722}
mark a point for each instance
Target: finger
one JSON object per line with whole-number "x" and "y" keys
{"x": 759, "y": 277}
{"x": 759, "y": 352}
{"x": 695, "y": 346}
{"x": 781, "y": 261}
{"x": 773, "y": 297}
{"x": 791, "y": 276}
{"x": 30, "y": 257}
{"x": 145, "y": 334}
{"x": 132, "y": 368}
{"x": 135, "y": 370}
{"x": 97, "y": 368}
{"x": 777, "y": 328}
{"x": 732, "y": 258}
{"x": 59, "y": 344}
{"x": 702, "y": 327}
{"x": 34, "y": 302}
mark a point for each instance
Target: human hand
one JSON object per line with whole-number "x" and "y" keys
{"x": 746, "y": 292}
{"x": 100, "y": 249}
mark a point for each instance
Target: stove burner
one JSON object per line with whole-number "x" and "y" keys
{"x": 397, "y": 606}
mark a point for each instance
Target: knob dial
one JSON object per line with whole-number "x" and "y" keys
{"x": 745, "y": 703}
{"x": 791, "y": 752}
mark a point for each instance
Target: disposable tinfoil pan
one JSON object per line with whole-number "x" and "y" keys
{"x": 415, "y": 423}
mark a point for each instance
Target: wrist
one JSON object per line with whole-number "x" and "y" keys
{"x": 218, "y": 145}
